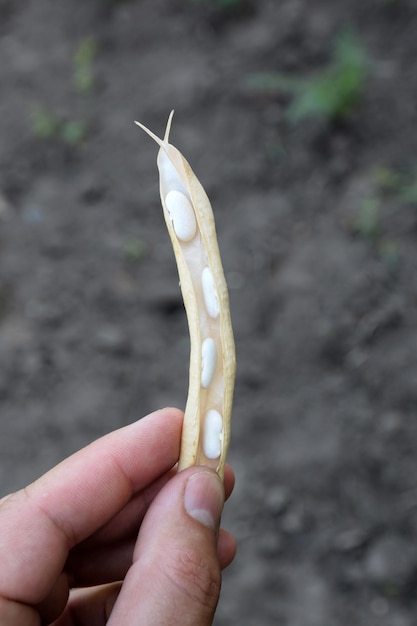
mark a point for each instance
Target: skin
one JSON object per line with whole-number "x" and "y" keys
{"x": 117, "y": 511}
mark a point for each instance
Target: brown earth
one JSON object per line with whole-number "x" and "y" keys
{"x": 92, "y": 328}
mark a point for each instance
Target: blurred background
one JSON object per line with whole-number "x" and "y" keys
{"x": 299, "y": 117}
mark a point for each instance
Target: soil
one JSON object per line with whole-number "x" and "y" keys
{"x": 92, "y": 328}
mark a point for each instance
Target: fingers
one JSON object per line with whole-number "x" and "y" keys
{"x": 102, "y": 493}
{"x": 112, "y": 545}
{"x": 127, "y": 522}
{"x": 229, "y": 481}
{"x": 53, "y": 605}
{"x": 98, "y": 566}
{"x": 226, "y": 548}
{"x": 73, "y": 500}
{"x": 115, "y": 560}
{"x": 175, "y": 577}
{"x": 93, "y": 606}
{"x": 89, "y": 607}
{"x": 12, "y": 613}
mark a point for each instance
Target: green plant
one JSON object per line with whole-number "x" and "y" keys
{"x": 44, "y": 123}
{"x": 134, "y": 250}
{"x": 386, "y": 179}
{"x": 389, "y": 251}
{"x": 403, "y": 186}
{"x": 408, "y": 193}
{"x": 333, "y": 93}
{"x": 47, "y": 125}
{"x": 83, "y": 74}
{"x": 73, "y": 132}
{"x": 367, "y": 222}
{"x": 391, "y": 190}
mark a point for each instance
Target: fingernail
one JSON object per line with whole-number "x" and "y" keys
{"x": 204, "y": 498}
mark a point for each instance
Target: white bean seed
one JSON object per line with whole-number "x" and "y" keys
{"x": 209, "y": 292}
{"x": 212, "y": 434}
{"x": 182, "y": 215}
{"x": 169, "y": 174}
{"x": 208, "y": 362}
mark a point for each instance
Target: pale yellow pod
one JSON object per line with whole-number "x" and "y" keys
{"x": 190, "y": 222}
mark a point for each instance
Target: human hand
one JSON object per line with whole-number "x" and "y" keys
{"x": 77, "y": 528}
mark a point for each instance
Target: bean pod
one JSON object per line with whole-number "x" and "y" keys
{"x": 190, "y": 222}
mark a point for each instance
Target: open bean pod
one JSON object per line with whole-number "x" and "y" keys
{"x": 190, "y": 222}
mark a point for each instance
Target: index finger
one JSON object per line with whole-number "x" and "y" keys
{"x": 40, "y": 524}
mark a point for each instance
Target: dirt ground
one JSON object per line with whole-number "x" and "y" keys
{"x": 317, "y": 224}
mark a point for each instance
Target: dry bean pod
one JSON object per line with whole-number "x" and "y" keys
{"x": 190, "y": 222}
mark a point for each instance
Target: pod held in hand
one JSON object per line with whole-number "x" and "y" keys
{"x": 190, "y": 223}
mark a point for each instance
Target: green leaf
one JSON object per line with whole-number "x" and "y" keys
{"x": 332, "y": 93}
{"x": 74, "y": 132}
{"x": 368, "y": 218}
{"x": 83, "y": 75}
{"x": 409, "y": 193}
{"x": 44, "y": 123}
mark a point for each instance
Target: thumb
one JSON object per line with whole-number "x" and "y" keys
{"x": 175, "y": 577}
